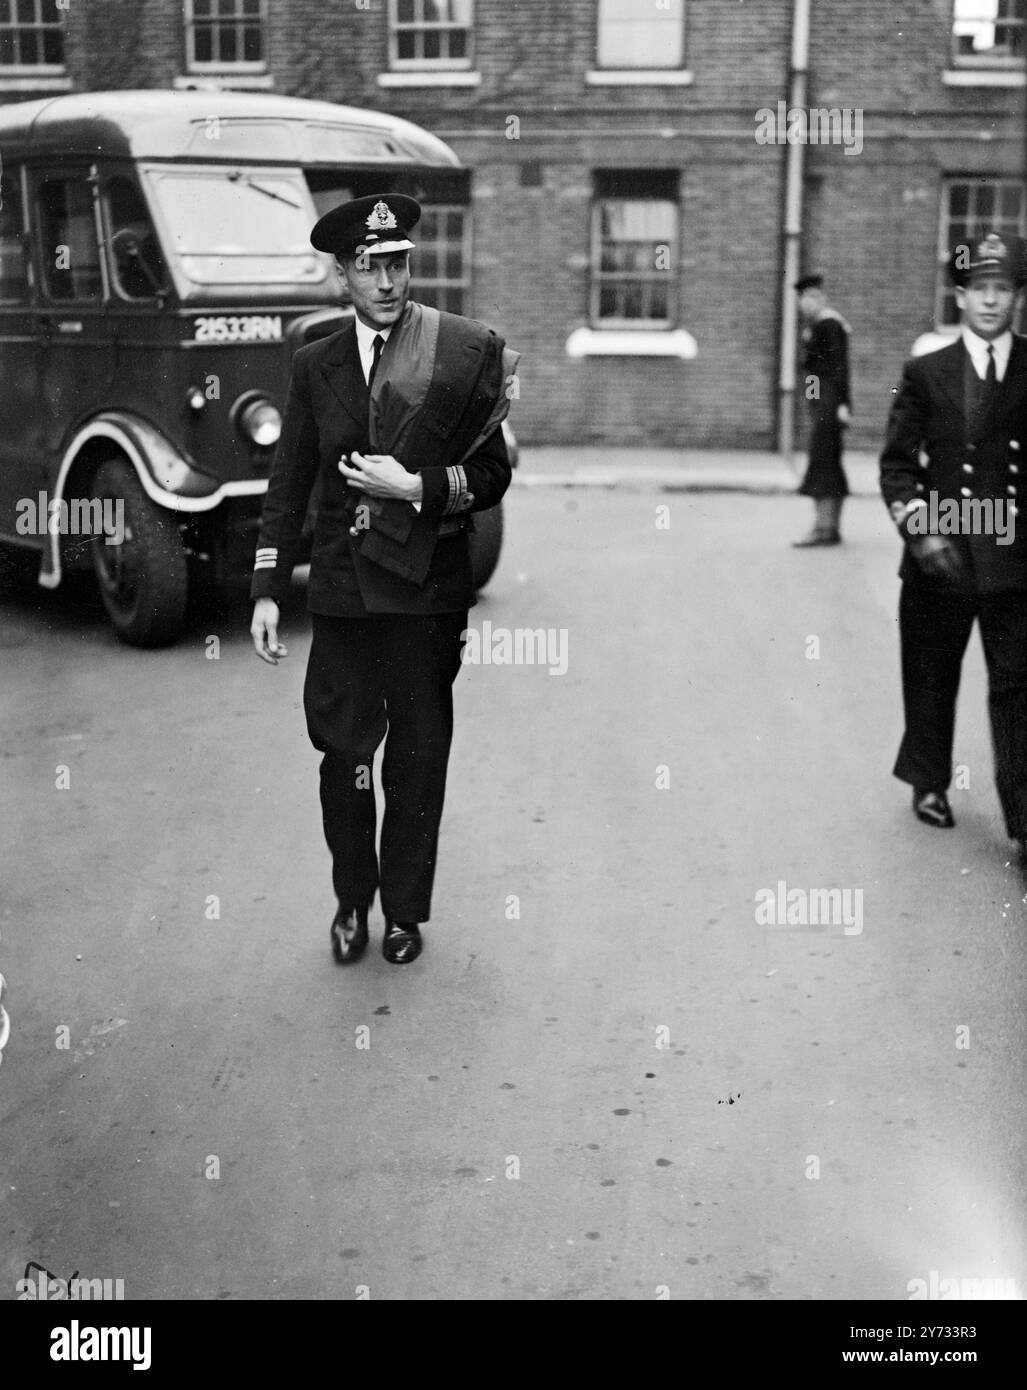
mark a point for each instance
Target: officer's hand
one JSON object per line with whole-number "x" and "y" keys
{"x": 264, "y": 631}
{"x": 379, "y": 475}
{"x": 844, "y": 418}
{"x": 937, "y": 557}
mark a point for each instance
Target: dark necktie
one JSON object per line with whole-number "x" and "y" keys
{"x": 989, "y": 390}
{"x": 377, "y": 345}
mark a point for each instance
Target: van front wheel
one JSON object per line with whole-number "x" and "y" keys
{"x": 486, "y": 543}
{"x": 143, "y": 576}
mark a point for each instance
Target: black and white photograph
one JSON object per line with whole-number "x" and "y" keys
{"x": 513, "y": 632}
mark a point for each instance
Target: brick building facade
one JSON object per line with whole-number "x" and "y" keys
{"x": 621, "y": 222}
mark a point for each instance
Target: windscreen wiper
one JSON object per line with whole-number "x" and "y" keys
{"x": 237, "y": 175}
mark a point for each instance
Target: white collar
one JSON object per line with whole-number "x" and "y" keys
{"x": 977, "y": 347}
{"x": 366, "y": 336}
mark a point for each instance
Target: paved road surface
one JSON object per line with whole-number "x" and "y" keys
{"x": 631, "y": 1087}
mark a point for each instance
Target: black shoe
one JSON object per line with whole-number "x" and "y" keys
{"x": 349, "y": 935}
{"x": 402, "y": 942}
{"x": 933, "y": 808}
{"x": 818, "y": 538}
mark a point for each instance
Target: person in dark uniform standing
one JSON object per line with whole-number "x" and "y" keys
{"x": 398, "y": 417}
{"x": 952, "y": 476}
{"x": 825, "y": 366}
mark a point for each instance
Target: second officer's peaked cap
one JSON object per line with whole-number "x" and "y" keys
{"x": 378, "y": 225}
{"x": 991, "y": 255}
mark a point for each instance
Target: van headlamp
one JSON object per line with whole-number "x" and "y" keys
{"x": 260, "y": 422}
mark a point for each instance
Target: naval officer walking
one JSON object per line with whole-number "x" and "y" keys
{"x": 952, "y": 474}
{"x": 398, "y": 416}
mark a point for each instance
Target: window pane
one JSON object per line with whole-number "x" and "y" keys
{"x": 458, "y": 43}
{"x": 50, "y": 12}
{"x": 640, "y": 36}
{"x": 53, "y": 46}
{"x": 405, "y": 11}
{"x": 203, "y": 52}
{"x": 988, "y": 28}
{"x": 229, "y": 43}
{"x": 69, "y": 249}
{"x": 13, "y": 284}
{"x": 432, "y": 46}
{"x": 637, "y": 237}
{"x": 252, "y": 50}
{"x": 201, "y": 8}
{"x": 405, "y": 45}
{"x": 25, "y": 11}
{"x": 251, "y": 7}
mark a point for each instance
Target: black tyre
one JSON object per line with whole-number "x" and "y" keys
{"x": 144, "y": 580}
{"x": 486, "y": 543}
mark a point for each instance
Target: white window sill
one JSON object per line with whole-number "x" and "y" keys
{"x": 218, "y": 81}
{"x": 446, "y": 78}
{"x": 983, "y": 77}
{"x": 639, "y": 77}
{"x": 631, "y": 342}
{"x": 20, "y": 81}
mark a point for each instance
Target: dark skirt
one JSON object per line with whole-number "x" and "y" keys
{"x": 825, "y": 476}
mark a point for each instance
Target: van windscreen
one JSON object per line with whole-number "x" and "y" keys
{"x": 231, "y": 226}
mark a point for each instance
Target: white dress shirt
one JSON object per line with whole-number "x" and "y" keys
{"x": 977, "y": 347}
{"x": 365, "y": 344}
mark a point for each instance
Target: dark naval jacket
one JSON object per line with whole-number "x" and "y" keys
{"x": 942, "y": 446}
{"x": 401, "y": 560}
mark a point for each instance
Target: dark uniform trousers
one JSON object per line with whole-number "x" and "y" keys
{"x": 973, "y": 442}
{"x": 388, "y": 675}
{"x": 935, "y": 629}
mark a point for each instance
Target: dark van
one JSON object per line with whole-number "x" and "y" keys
{"x": 156, "y": 278}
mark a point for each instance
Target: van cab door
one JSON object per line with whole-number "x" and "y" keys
{"x": 21, "y": 470}
{"x": 76, "y": 357}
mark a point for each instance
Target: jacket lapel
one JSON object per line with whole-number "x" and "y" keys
{"x": 343, "y": 374}
{"x": 952, "y": 365}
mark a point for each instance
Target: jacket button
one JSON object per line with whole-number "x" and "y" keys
{"x": 1012, "y": 488}
{"x": 1014, "y": 468}
{"x": 971, "y": 448}
{"x": 964, "y": 492}
{"x": 968, "y": 468}
{"x": 353, "y": 531}
{"x": 1014, "y": 444}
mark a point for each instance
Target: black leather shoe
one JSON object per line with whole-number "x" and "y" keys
{"x": 349, "y": 935}
{"x": 933, "y": 808}
{"x": 402, "y": 942}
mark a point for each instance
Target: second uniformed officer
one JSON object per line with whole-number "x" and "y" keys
{"x": 964, "y": 408}
{"x": 398, "y": 417}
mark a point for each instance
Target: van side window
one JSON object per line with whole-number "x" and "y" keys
{"x": 68, "y": 248}
{"x": 139, "y": 268}
{"x": 14, "y": 283}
